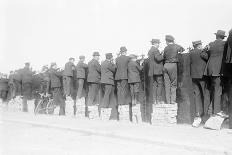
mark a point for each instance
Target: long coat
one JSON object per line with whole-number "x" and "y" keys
{"x": 122, "y": 65}
{"x": 81, "y": 70}
{"x": 155, "y": 60}
{"x": 68, "y": 69}
{"x": 197, "y": 64}
{"x": 215, "y": 55}
{"x": 55, "y": 79}
{"x": 94, "y": 71}
{"x": 107, "y": 72}
{"x": 134, "y": 72}
{"x": 26, "y": 75}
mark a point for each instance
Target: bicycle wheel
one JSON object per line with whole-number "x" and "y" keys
{"x": 40, "y": 107}
{"x": 50, "y": 107}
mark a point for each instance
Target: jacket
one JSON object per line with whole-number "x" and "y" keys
{"x": 134, "y": 72}
{"x": 81, "y": 70}
{"x": 68, "y": 69}
{"x": 107, "y": 72}
{"x": 155, "y": 60}
{"x": 94, "y": 71}
{"x": 122, "y": 65}
{"x": 171, "y": 53}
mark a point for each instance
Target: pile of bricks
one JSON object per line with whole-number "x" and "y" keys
{"x": 80, "y": 107}
{"x": 136, "y": 114}
{"x": 124, "y": 113}
{"x": 105, "y": 114}
{"x": 93, "y": 112}
{"x": 164, "y": 113}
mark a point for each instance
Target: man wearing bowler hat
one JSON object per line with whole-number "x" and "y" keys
{"x": 214, "y": 55}
{"x": 122, "y": 78}
{"x": 93, "y": 79}
{"x": 155, "y": 60}
{"x": 170, "y": 68}
{"x": 197, "y": 66}
{"x": 68, "y": 77}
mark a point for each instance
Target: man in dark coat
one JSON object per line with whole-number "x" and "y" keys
{"x": 17, "y": 80}
{"x": 68, "y": 76}
{"x": 227, "y": 74}
{"x": 3, "y": 87}
{"x": 214, "y": 55}
{"x": 93, "y": 79}
{"x": 134, "y": 79}
{"x": 12, "y": 87}
{"x": 121, "y": 77}
{"x": 155, "y": 60}
{"x": 170, "y": 68}
{"x": 55, "y": 87}
{"x": 26, "y": 77}
{"x": 197, "y": 66}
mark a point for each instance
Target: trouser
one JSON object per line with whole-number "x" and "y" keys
{"x": 134, "y": 88}
{"x": 93, "y": 94}
{"x": 26, "y": 92}
{"x": 199, "y": 89}
{"x": 18, "y": 87}
{"x": 67, "y": 82}
{"x": 170, "y": 78}
{"x": 3, "y": 94}
{"x": 158, "y": 84}
{"x": 123, "y": 93}
{"x": 59, "y": 99}
{"x": 12, "y": 91}
{"x": 80, "y": 87}
{"x": 109, "y": 98}
{"x": 216, "y": 90}
{"x": 230, "y": 103}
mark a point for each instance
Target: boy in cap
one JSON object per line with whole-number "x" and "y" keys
{"x": 134, "y": 78}
{"x": 93, "y": 79}
{"x": 197, "y": 66}
{"x": 55, "y": 86}
{"x": 81, "y": 72}
{"x": 170, "y": 68}
{"x": 68, "y": 77}
{"x": 214, "y": 55}
{"x": 155, "y": 61}
{"x": 121, "y": 77}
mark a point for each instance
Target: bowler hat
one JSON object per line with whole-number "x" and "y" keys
{"x": 155, "y": 41}
{"x": 27, "y": 63}
{"x": 220, "y": 33}
{"x": 196, "y": 42}
{"x": 169, "y": 38}
{"x": 96, "y": 54}
{"x": 81, "y": 57}
{"x": 109, "y": 55}
{"x": 123, "y": 49}
{"x": 53, "y": 64}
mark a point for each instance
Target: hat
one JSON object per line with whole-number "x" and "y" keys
{"x": 96, "y": 54}
{"x": 81, "y": 57}
{"x": 109, "y": 55}
{"x": 155, "y": 41}
{"x": 169, "y": 38}
{"x": 27, "y": 63}
{"x": 123, "y": 49}
{"x": 133, "y": 56}
{"x": 220, "y": 33}
{"x": 53, "y": 64}
{"x": 71, "y": 58}
{"x": 196, "y": 42}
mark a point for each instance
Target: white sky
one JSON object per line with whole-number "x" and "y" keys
{"x": 44, "y": 31}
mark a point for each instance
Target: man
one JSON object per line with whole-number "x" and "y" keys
{"x": 170, "y": 68}
{"x": 12, "y": 88}
{"x": 3, "y": 87}
{"x": 54, "y": 87}
{"x": 121, "y": 77}
{"x": 93, "y": 79}
{"x": 214, "y": 55}
{"x": 17, "y": 80}
{"x": 68, "y": 77}
{"x": 81, "y": 70}
{"x": 227, "y": 74}
{"x": 197, "y": 66}
{"x": 134, "y": 79}
{"x": 26, "y": 77}
{"x": 155, "y": 60}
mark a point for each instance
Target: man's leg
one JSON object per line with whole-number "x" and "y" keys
{"x": 197, "y": 97}
{"x": 167, "y": 83}
{"x": 80, "y": 88}
{"x": 230, "y": 103}
{"x": 173, "y": 78}
{"x": 217, "y": 91}
{"x": 106, "y": 98}
{"x": 159, "y": 81}
{"x": 93, "y": 92}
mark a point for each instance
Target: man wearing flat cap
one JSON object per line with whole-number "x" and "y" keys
{"x": 93, "y": 79}
{"x": 121, "y": 77}
{"x": 68, "y": 77}
{"x": 26, "y": 79}
{"x": 197, "y": 66}
{"x": 55, "y": 87}
{"x": 214, "y": 55}
{"x": 81, "y": 75}
{"x": 170, "y": 68}
{"x": 155, "y": 73}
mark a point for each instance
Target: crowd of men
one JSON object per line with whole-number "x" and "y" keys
{"x": 122, "y": 80}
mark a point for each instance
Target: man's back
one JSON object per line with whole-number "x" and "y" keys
{"x": 171, "y": 52}
{"x": 94, "y": 71}
{"x": 68, "y": 69}
{"x": 107, "y": 72}
{"x": 122, "y": 65}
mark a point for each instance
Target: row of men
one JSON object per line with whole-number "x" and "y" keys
{"x": 207, "y": 68}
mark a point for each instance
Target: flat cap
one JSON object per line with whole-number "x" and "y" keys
{"x": 196, "y": 42}
{"x": 220, "y": 33}
{"x": 109, "y": 55}
{"x": 155, "y": 41}
{"x": 123, "y": 49}
{"x": 53, "y": 64}
{"x": 169, "y": 38}
{"x": 81, "y": 57}
{"x": 96, "y": 54}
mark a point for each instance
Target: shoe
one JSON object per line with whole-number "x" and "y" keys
{"x": 222, "y": 114}
{"x": 196, "y": 122}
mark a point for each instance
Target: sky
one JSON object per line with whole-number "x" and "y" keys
{"x": 45, "y": 31}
